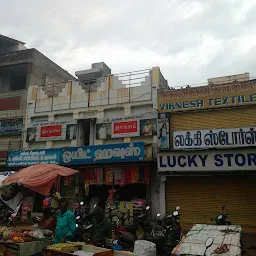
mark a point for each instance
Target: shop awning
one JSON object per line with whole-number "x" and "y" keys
{"x": 40, "y": 177}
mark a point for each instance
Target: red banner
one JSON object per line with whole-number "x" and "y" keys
{"x": 50, "y": 131}
{"x": 11, "y": 103}
{"x": 125, "y": 127}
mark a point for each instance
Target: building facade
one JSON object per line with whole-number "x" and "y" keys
{"x": 208, "y": 154}
{"x": 20, "y": 68}
{"x": 103, "y": 125}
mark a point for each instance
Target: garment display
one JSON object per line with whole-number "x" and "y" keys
{"x": 117, "y": 171}
{"x": 108, "y": 177}
{"x": 134, "y": 174}
{"x": 127, "y": 176}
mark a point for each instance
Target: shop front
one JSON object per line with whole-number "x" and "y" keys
{"x": 113, "y": 173}
{"x": 201, "y": 182}
{"x": 107, "y": 173}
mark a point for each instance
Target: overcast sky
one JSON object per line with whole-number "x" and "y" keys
{"x": 189, "y": 40}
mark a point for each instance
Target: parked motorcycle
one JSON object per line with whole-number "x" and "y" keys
{"x": 221, "y": 219}
{"x": 166, "y": 232}
{"x": 126, "y": 236}
{"x": 83, "y": 223}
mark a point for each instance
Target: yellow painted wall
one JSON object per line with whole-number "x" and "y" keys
{"x": 210, "y": 119}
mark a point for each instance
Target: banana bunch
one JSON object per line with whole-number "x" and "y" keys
{"x": 64, "y": 247}
{"x": 18, "y": 239}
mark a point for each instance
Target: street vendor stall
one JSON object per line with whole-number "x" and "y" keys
{"x": 79, "y": 249}
{"x": 28, "y": 240}
{"x": 211, "y": 240}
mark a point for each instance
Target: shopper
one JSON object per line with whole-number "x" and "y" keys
{"x": 66, "y": 223}
{"x": 55, "y": 198}
{"x": 48, "y": 221}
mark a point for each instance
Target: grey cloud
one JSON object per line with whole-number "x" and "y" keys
{"x": 132, "y": 34}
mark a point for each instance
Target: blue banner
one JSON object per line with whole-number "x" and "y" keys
{"x": 79, "y": 155}
{"x": 11, "y": 127}
{"x": 31, "y": 157}
{"x": 103, "y": 153}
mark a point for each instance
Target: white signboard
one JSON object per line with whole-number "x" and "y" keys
{"x": 215, "y": 138}
{"x": 215, "y": 160}
{"x": 43, "y": 131}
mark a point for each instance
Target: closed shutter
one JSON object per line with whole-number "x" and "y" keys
{"x": 201, "y": 198}
{"x": 210, "y": 119}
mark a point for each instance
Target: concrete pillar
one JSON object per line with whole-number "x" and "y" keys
{"x": 162, "y": 199}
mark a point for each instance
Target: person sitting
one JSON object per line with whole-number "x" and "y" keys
{"x": 66, "y": 223}
{"x": 48, "y": 221}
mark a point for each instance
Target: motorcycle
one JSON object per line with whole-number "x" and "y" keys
{"x": 83, "y": 224}
{"x": 221, "y": 219}
{"x": 126, "y": 236}
{"x": 166, "y": 232}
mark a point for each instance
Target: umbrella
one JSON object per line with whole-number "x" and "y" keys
{"x": 40, "y": 177}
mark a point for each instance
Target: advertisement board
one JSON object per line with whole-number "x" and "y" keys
{"x": 43, "y": 131}
{"x": 212, "y": 160}
{"x": 31, "y": 157}
{"x": 103, "y": 153}
{"x": 208, "y": 97}
{"x": 133, "y": 128}
{"x": 163, "y": 131}
{"x": 215, "y": 138}
{"x": 11, "y": 127}
{"x": 79, "y": 155}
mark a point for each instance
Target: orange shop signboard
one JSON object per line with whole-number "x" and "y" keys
{"x": 208, "y": 97}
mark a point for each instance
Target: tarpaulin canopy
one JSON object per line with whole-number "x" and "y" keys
{"x": 40, "y": 177}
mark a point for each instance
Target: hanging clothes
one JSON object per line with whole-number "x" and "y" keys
{"x": 127, "y": 176}
{"x": 99, "y": 176}
{"x": 117, "y": 171}
{"x": 141, "y": 175}
{"x": 122, "y": 181}
{"x": 111, "y": 195}
{"x": 85, "y": 173}
{"x": 109, "y": 177}
{"x": 134, "y": 174}
{"x": 146, "y": 175}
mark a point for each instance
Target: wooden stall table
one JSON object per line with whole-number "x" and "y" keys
{"x": 23, "y": 249}
{"x": 86, "y": 250}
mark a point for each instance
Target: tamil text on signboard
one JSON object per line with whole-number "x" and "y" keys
{"x": 216, "y": 160}
{"x": 208, "y": 97}
{"x": 11, "y": 127}
{"x": 215, "y": 138}
{"x": 103, "y": 153}
{"x": 31, "y": 157}
{"x": 79, "y": 155}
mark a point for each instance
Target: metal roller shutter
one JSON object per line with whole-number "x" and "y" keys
{"x": 201, "y": 198}
{"x": 210, "y": 119}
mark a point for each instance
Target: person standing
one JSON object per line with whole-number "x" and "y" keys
{"x": 103, "y": 132}
{"x": 55, "y": 198}
{"x": 66, "y": 223}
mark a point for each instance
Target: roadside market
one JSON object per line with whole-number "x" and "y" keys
{"x": 18, "y": 235}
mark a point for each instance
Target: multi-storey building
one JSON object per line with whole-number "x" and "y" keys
{"x": 103, "y": 125}
{"x": 207, "y": 137}
{"x": 20, "y": 68}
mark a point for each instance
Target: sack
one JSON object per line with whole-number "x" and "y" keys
{"x": 144, "y": 248}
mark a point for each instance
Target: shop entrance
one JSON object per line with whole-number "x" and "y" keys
{"x": 201, "y": 198}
